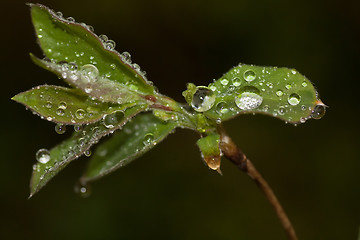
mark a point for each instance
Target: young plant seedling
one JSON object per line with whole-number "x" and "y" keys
{"x": 108, "y": 94}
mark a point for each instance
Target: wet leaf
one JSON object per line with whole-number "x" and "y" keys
{"x": 65, "y": 40}
{"x": 65, "y": 105}
{"x": 210, "y": 150}
{"x": 88, "y": 80}
{"x": 136, "y": 138}
{"x": 74, "y": 147}
{"x": 279, "y": 92}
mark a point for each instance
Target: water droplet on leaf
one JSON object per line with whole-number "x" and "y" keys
{"x": 279, "y": 93}
{"x": 60, "y": 112}
{"x": 43, "y": 155}
{"x": 89, "y": 72}
{"x": 224, "y": 82}
{"x": 249, "y": 75}
{"x": 148, "y": 139}
{"x": 319, "y": 111}
{"x": 203, "y": 99}
{"x": 60, "y": 128}
{"x": 294, "y": 99}
{"x": 113, "y": 119}
{"x": 222, "y": 108}
{"x": 236, "y": 82}
{"x": 80, "y": 113}
{"x": 248, "y": 99}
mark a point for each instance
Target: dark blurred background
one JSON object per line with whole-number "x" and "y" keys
{"x": 169, "y": 193}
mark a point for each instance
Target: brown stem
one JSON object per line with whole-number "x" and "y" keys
{"x": 233, "y": 153}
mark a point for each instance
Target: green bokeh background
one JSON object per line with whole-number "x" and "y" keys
{"x": 169, "y": 193}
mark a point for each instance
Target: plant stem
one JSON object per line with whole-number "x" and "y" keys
{"x": 235, "y": 155}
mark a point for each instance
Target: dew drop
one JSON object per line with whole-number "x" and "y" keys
{"x": 303, "y": 107}
{"x": 60, "y": 112}
{"x": 113, "y": 119}
{"x": 80, "y": 113}
{"x": 78, "y": 127}
{"x": 62, "y": 105}
{"x": 203, "y": 99}
{"x": 126, "y": 57}
{"x": 48, "y": 104}
{"x": 83, "y": 190}
{"x": 60, "y": 128}
{"x": 236, "y": 82}
{"x": 89, "y": 72}
{"x": 249, "y": 75}
{"x": 110, "y": 44}
{"x": 213, "y": 88}
{"x": 304, "y": 84}
{"x": 113, "y": 66}
{"x": 248, "y": 99}
{"x": 43, "y": 155}
{"x": 319, "y": 111}
{"x": 224, "y": 82}
{"x": 103, "y": 38}
{"x": 222, "y": 108}
{"x": 288, "y": 86}
{"x": 70, "y": 19}
{"x": 294, "y": 99}
{"x": 279, "y": 93}
{"x": 87, "y": 153}
{"x": 282, "y": 110}
{"x": 302, "y": 120}
{"x": 148, "y": 139}
{"x": 88, "y": 90}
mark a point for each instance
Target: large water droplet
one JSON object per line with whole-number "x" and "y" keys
{"x": 43, "y": 155}
{"x": 89, "y": 72}
{"x": 60, "y": 128}
{"x": 248, "y": 99}
{"x": 203, "y": 99}
{"x": 222, "y": 108}
{"x": 80, "y": 113}
{"x": 113, "y": 119}
{"x": 319, "y": 111}
{"x": 249, "y": 75}
{"x": 294, "y": 99}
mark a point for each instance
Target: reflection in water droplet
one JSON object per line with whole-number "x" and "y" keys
{"x": 83, "y": 190}
{"x": 249, "y": 75}
{"x": 222, "y": 108}
{"x": 60, "y": 128}
{"x": 203, "y": 99}
{"x": 279, "y": 93}
{"x": 318, "y": 112}
{"x": 111, "y": 120}
{"x": 89, "y": 72}
{"x": 248, "y": 99}
{"x": 236, "y": 82}
{"x": 80, "y": 113}
{"x": 294, "y": 99}
{"x": 43, "y": 155}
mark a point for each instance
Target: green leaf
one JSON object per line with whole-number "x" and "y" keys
{"x": 88, "y": 80}
{"x": 210, "y": 150}
{"x": 65, "y": 40}
{"x": 137, "y": 137}
{"x": 279, "y": 92}
{"x": 80, "y": 141}
{"x": 65, "y": 105}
